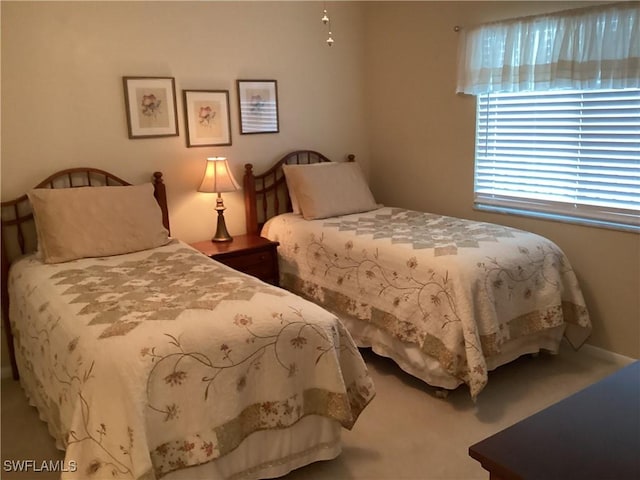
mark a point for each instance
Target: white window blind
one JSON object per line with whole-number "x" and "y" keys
{"x": 569, "y": 153}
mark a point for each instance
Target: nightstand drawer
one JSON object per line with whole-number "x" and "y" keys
{"x": 250, "y": 254}
{"x": 263, "y": 271}
{"x": 246, "y": 261}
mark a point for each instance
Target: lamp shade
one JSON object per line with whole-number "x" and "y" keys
{"x": 218, "y": 177}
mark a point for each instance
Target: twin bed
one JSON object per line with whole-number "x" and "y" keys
{"x": 149, "y": 360}
{"x": 447, "y": 299}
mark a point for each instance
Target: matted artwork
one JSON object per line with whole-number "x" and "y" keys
{"x": 151, "y": 106}
{"x": 258, "y": 104}
{"x": 207, "y": 117}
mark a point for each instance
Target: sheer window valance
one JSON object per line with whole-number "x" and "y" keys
{"x": 592, "y": 48}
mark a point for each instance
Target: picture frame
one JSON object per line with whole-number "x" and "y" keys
{"x": 150, "y": 103}
{"x": 258, "y": 106}
{"x": 207, "y": 117}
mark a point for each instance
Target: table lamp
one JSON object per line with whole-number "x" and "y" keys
{"x": 218, "y": 179}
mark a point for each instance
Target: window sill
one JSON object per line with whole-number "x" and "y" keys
{"x": 557, "y": 218}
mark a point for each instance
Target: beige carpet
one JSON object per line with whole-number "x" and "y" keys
{"x": 407, "y": 432}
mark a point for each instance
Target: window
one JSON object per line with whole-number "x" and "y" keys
{"x": 568, "y": 154}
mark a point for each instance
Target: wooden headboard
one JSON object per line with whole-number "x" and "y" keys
{"x": 266, "y": 195}
{"x": 18, "y": 233}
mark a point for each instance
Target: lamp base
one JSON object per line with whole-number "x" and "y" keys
{"x": 222, "y": 235}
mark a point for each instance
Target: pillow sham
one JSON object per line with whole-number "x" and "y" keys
{"x": 329, "y": 189}
{"x": 295, "y": 205}
{"x": 84, "y": 222}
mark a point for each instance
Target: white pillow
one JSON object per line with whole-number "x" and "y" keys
{"x": 329, "y": 189}
{"x": 96, "y": 221}
{"x": 295, "y": 206}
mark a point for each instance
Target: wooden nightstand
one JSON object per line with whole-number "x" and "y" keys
{"x": 250, "y": 254}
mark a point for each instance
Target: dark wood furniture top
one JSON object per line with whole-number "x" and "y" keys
{"x": 593, "y": 434}
{"x": 250, "y": 254}
{"x": 266, "y": 195}
{"x": 19, "y": 232}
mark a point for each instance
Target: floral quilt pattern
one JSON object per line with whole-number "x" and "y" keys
{"x": 459, "y": 290}
{"x": 443, "y": 235}
{"x": 151, "y": 362}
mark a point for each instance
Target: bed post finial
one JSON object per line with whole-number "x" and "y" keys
{"x": 160, "y": 192}
{"x": 5, "y": 308}
{"x": 351, "y": 157}
{"x": 250, "y": 208}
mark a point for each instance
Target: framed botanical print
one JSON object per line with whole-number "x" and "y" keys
{"x": 207, "y": 117}
{"x": 258, "y": 104}
{"x": 151, "y": 106}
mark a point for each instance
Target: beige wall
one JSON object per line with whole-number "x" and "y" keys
{"x": 63, "y": 104}
{"x": 422, "y": 136}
